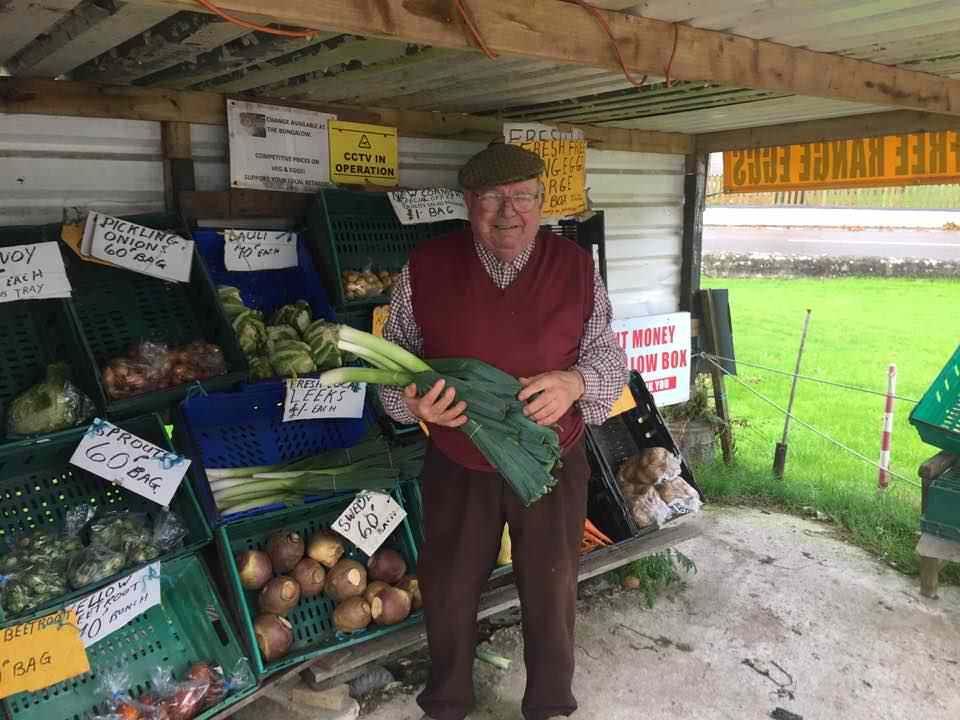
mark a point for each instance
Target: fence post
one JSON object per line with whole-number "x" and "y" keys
{"x": 883, "y": 477}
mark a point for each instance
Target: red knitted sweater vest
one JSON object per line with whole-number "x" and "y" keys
{"x": 534, "y": 325}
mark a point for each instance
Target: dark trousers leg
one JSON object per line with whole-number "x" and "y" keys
{"x": 463, "y": 521}
{"x": 546, "y": 538}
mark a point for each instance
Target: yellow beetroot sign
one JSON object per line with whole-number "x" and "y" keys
{"x": 362, "y": 154}
{"x": 41, "y": 653}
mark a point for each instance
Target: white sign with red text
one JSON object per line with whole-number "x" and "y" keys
{"x": 658, "y": 347}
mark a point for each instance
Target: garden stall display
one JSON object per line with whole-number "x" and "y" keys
{"x": 67, "y": 532}
{"x": 152, "y": 339}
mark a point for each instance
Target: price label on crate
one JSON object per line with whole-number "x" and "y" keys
{"x": 149, "y": 251}
{"x": 369, "y": 520}
{"x": 250, "y": 250}
{"x": 310, "y": 399}
{"x": 41, "y": 653}
{"x": 428, "y": 205}
{"x": 106, "y": 611}
{"x": 131, "y": 462}
{"x": 32, "y": 272}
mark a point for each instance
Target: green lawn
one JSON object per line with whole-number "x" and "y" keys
{"x": 858, "y": 327}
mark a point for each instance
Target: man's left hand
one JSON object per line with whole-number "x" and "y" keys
{"x": 558, "y": 390}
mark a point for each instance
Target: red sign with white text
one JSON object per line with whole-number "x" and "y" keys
{"x": 658, "y": 347}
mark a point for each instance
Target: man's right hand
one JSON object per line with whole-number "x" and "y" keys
{"x": 437, "y": 407}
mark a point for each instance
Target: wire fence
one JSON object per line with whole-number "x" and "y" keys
{"x": 716, "y": 360}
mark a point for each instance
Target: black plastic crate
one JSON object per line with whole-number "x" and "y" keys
{"x": 629, "y": 433}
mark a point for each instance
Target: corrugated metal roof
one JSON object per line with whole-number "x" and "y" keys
{"x": 188, "y": 50}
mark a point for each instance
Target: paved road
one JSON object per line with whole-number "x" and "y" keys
{"x": 837, "y": 242}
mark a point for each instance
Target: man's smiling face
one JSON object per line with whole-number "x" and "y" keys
{"x": 505, "y": 218}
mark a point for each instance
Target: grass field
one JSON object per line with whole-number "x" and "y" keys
{"x": 858, "y": 327}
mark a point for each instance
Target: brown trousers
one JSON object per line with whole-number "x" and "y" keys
{"x": 464, "y": 513}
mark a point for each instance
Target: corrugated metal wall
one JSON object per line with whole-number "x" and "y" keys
{"x": 115, "y": 166}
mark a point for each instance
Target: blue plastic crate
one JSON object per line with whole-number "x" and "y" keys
{"x": 246, "y": 428}
{"x": 267, "y": 290}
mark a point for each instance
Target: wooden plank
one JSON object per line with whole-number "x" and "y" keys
{"x": 78, "y": 99}
{"x": 233, "y": 57}
{"x": 87, "y": 32}
{"x": 178, "y": 171}
{"x": 23, "y": 20}
{"x": 844, "y": 128}
{"x": 694, "y": 202}
{"x": 244, "y": 204}
{"x": 564, "y": 32}
{"x": 173, "y": 41}
{"x": 493, "y": 602}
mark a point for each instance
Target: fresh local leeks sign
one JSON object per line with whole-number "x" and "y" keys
{"x": 309, "y": 399}
{"x": 148, "y": 251}
{"x": 32, "y": 272}
{"x": 133, "y": 463}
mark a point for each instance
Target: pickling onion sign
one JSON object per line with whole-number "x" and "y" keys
{"x": 32, "y": 272}
{"x": 310, "y": 399}
{"x": 658, "y": 347}
{"x": 250, "y": 250}
{"x": 148, "y": 251}
{"x": 133, "y": 463}
{"x": 369, "y": 519}
{"x": 104, "y": 612}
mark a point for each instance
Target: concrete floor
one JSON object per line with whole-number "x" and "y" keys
{"x": 780, "y": 615}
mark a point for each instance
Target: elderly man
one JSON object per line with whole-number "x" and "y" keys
{"x": 532, "y": 304}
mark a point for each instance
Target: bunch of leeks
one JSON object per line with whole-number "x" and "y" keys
{"x": 373, "y": 464}
{"x": 522, "y": 451}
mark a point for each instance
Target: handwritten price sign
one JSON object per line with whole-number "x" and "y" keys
{"x": 149, "y": 251}
{"x": 250, "y": 250}
{"x": 41, "y": 653}
{"x": 131, "y": 462}
{"x": 309, "y": 399}
{"x": 31, "y": 272}
{"x": 369, "y": 520}
{"x": 109, "y": 609}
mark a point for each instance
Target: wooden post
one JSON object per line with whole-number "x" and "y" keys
{"x": 780, "y": 454}
{"x": 178, "y": 175}
{"x": 694, "y": 201}
{"x": 718, "y": 382}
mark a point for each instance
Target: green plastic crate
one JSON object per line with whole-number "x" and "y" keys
{"x": 937, "y": 416}
{"x": 358, "y": 230}
{"x": 116, "y": 309}
{"x": 312, "y": 619}
{"x": 942, "y": 516}
{"x": 35, "y": 333}
{"x": 38, "y": 485}
{"x": 189, "y": 625}
{"x": 360, "y": 317}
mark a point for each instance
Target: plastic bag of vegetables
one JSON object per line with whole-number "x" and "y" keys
{"x": 52, "y": 405}
{"x": 93, "y": 564}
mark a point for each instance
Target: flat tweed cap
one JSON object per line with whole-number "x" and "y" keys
{"x": 499, "y": 164}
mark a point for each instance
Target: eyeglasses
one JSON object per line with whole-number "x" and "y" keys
{"x": 521, "y": 202}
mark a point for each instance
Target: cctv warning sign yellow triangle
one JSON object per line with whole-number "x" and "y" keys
{"x": 364, "y": 143}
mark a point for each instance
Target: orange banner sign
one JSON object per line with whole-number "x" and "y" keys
{"x": 914, "y": 159}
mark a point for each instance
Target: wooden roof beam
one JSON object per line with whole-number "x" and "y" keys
{"x": 94, "y": 100}
{"x": 844, "y": 128}
{"x": 564, "y": 32}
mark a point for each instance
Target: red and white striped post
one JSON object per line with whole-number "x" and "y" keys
{"x": 883, "y": 479}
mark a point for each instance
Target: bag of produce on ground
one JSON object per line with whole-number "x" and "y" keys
{"x": 151, "y": 366}
{"x": 52, "y": 405}
{"x": 680, "y": 497}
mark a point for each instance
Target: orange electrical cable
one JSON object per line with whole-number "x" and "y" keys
{"x": 673, "y": 53}
{"x": 254, "y": 26}
{"x": 602, "y": 21}
{"x": 474, "y": 31}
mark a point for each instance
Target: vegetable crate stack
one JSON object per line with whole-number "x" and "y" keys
{"x": 937, "y": 419}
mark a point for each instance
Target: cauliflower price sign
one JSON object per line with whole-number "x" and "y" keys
{"x": 131, "y": 462}
{"x": 310, "y": 399}
{"x": 251, "y": 250}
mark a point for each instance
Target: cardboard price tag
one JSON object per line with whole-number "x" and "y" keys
{"x": 131, "y": 462}
{"x": 32, "y": 272}
{"x": 369, "y": 520}
{"x": 109, "y": 609}
{"x": 310, "y": 399}
{"x": 148, "y": 251}
{"x": 427, "y": 205}
{"x": 41, "y": 653}
{"x": 251, "y": 250}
